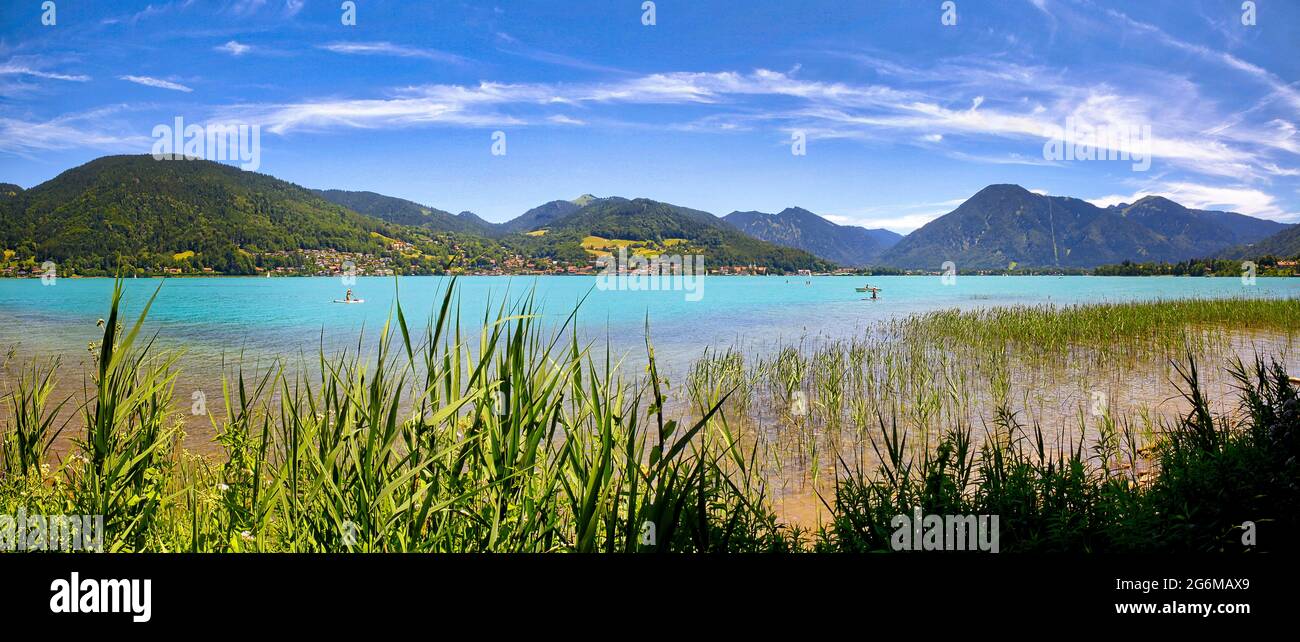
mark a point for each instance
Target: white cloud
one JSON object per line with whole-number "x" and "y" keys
{"x": 155, "y": 82}
{"x": 903, "y": 223}
{"x": 292, "y": 7}
{"x": 245, "y": 7}
{"x": 561, "y": 119}
{"x": 234, "y": 48}
{"x": 390, "y": 49}
{"x": 842, "y": 110}
{"x": 94, "y": 129}
{"x": 1240, "y": 199}
{"x": 1280, "y": 88}
{"x": 14, "y": 68}
{"x": 902, "y": 219}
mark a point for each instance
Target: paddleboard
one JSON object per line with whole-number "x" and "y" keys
{"x": 352, "y": 301}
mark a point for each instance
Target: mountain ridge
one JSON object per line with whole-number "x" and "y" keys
{"x": 1005, "y": 225}
{"x": 796, "y": 227}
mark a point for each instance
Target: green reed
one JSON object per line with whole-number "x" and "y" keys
{"x": 504, "y": 435}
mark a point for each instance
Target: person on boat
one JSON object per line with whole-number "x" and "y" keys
{"x": 348, "y": 296}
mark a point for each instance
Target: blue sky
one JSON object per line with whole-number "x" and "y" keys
{"x": 903, "y": 116}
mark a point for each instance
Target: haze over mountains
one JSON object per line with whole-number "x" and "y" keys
{"x": 134, "y": 206}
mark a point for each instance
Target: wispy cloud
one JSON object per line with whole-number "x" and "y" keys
{"x": 902, "y": 219}
{"x": 150, "y": 11}
{"x": 1280, "y": 88}
{"x": 246, "y": 7}
{"x": 561, "y": 119}
{"x": 96, "y": 129}
{"x": 512, "y": 46}
{"x": 1240, "y": 199}
{"x": 390, "y": 49}
{"x": 837, "y": 110}
{"x": 149, "y": 81}
{"x": 234, "y": 48}
{"x": 18, "y": 69}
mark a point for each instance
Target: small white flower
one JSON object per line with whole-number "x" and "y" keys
{"x": 222, "y": 487}
{"x": 248, "y": 537}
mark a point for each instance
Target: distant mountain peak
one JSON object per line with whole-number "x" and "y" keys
{"x": 1155, "y": 200}
{"x": 1003, "y": 223}
{"x": 1006, "y": 189}
{"x": 796, "y": 211}
{"x": 584, "y": 200}
{"x": 799, "y": 228}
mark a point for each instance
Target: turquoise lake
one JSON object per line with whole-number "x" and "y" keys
{"x": 212, "y": 317}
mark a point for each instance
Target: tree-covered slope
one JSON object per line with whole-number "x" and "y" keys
{"x": 404, "y": 212}
{"x": 139, "y": 209}
{"x": 664, "y": 225}
{"x": 798, "y": 228}
{"x": 1003, "y": 225}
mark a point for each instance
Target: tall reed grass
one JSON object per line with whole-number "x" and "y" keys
{"x": 508, "y": 435}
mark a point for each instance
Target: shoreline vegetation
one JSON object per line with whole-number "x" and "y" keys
{"x": 1216, "y": 269}
{"x": 502, "y": 436}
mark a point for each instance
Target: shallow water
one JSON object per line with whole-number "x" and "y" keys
{"x": 212, "y": 317}
{"x": 216, "y": 320}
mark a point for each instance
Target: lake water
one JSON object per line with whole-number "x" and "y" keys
{"x": 215, "y": 317}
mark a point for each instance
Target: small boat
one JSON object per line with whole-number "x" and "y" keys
{"x": 867, "y": 288}
{"x": 349, "y": 301}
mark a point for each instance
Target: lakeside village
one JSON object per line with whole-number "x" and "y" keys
{"x": 331, "y": 263}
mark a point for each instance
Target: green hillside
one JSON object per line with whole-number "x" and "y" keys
{"x": 662, "y": 225}
{"x": 404, "y": 212}
{"x": 192, "y": 215}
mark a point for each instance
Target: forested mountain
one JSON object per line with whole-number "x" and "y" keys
{"x": 540, "y": 216}
{"x": 134, "y": 212}
{"x": 404, "y": 212}
{"x": 796, "y": 227}
{"x": 137, "y": 211}
{"x": 1284, "y": 244}
{"x": 1004, "y": 225}
{"x": 660, "y": 226}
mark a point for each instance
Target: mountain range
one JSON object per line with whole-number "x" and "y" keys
{"x": 142, "y": 212}
{"x": 197, "y": 214}
{"x": 797, "y": 227}
{"x": 1004, "y": 226}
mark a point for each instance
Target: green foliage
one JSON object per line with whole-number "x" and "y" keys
{"x": 404, "y": 212}
{"x": 508, "y": 438}
{"x": 1264, "y": 266}
{"x": 647, "y": 220}
{"x": 134, "y": 213}
{"x": 502, "y": 440}
{"x": 1213, "y": 477}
